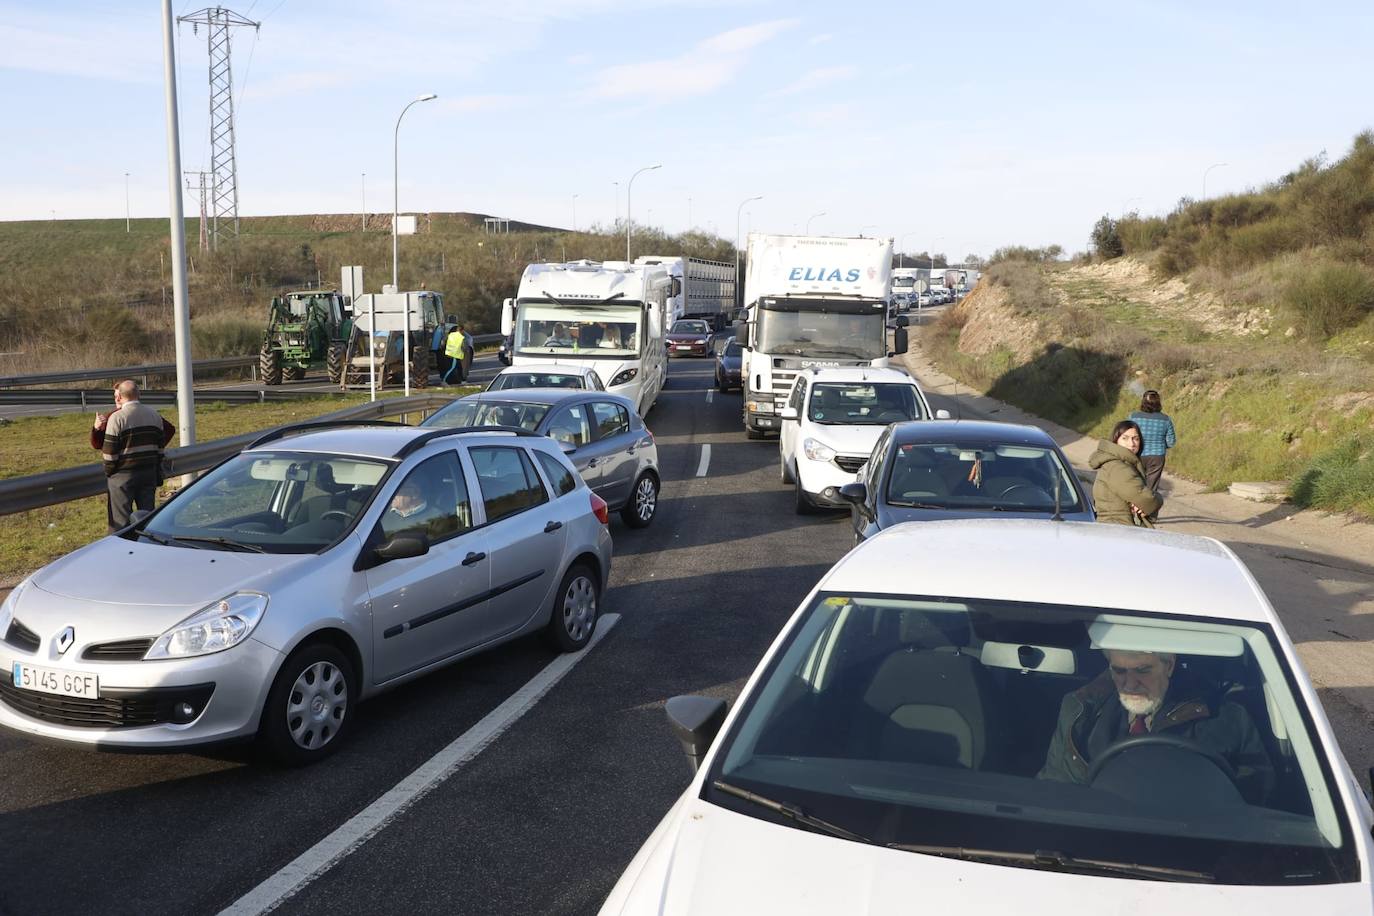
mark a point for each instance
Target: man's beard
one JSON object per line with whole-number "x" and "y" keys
{"x": 1138, "y": 705}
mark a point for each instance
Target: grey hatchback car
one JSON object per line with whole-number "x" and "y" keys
{"x": 924, "y": 470}
{"x": 601, "y": 433}
{"x": 312, "y": 570}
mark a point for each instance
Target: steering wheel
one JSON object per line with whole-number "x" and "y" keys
{"x": 1021, "y": 486}
{"x": 340, "y": 514}
{"x": 1182, "y": 744}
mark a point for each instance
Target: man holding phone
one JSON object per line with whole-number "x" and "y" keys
{"x": 131, "y": 440}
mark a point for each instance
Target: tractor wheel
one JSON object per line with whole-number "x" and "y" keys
{"x": 419, "y": 368}
{"x": 269, "y": 365}
{"x": 334, "y": 362}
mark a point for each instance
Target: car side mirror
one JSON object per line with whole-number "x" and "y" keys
{"x": 899, "y": 339}
{"x": 942, "y": 414}
{"x": 695, "y": 721}
{"x": 139, "y": 515}
{"x": 855, "y": 493}
{"x": 788, "y": 413}
{"x": 403, "y": 547}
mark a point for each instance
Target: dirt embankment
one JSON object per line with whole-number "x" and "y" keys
{"x": 990, "y": 323}
{"x": 1132, "y": 280}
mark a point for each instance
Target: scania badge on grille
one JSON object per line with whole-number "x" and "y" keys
{"x": 65, "y": 639}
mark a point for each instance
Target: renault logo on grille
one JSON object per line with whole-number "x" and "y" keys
{"x": 65, "y": 639}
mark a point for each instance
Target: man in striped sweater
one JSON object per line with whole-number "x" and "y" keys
{"x": 131, "y": 440}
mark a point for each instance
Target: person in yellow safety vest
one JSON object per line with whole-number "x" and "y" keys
{"x": 453, "y": 349}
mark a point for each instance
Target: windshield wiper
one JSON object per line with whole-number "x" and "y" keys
{"x": 1052, "y": 859}
{"x": 223, "y": 542}
{"x": 155, "y": 538}
{"x": 909, "y": 505}
{"x": 791, "y": 812}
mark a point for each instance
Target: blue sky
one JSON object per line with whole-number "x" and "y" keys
{"x": 958, "y": 126}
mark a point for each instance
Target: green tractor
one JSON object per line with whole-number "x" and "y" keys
{"x": 304, "y": 327}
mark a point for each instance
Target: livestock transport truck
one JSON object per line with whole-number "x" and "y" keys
{"x": 610, "y": 315}
{"x": 811, "y": 301}
{"x": 701, "y": 289}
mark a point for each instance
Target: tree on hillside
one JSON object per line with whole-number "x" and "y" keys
{"x": 1107, "y": 240}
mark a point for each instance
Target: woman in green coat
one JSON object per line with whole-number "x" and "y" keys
{"x": 1119, "y": 491}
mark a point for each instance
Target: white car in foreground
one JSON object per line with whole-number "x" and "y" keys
{"x": 831, "y": 422}
{"x": 1016, "y": 716}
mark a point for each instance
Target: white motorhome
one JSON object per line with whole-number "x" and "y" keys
{"x": 811, "y": 301}
{"x": 608, "y": 315}
{"x": 701, "y": 289}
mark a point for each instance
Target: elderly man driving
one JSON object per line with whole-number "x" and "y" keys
{"x": 1139, "y": 694}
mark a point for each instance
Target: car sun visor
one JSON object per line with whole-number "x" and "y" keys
{"x": 1106, "y": 633}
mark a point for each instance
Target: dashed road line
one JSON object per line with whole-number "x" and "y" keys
{"x": 705, "y": 460}
{"x": 364, "y": 825}
{"x": 710, "y": 395}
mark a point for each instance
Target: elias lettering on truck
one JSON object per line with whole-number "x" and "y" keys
{"x": 822, "y": 275}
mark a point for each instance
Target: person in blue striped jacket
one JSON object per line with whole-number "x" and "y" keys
{"x": 1157, "y": 435}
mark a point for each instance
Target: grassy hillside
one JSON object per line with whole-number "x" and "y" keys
{"x": 77, "y": 293}
{"x": 1080, "y": 344}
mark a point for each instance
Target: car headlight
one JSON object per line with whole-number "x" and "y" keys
{"x": 817, "y": 451}
{"x": 623, "y": 377}
{"x": 220, "y": 626}
{"x": 7, "y": 608}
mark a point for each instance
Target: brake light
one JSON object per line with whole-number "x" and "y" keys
{"x": 600, "y": 510}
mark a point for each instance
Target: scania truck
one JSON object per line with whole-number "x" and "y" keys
{"x": 701, "y": 289}
{"x": 606, "y": 314}
{"x": 811, "y": 301}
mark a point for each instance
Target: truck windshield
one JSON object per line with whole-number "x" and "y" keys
{"x": 903, "y": 282}
{"x": 578, "y": 330}
{"x": 860, "y": 336}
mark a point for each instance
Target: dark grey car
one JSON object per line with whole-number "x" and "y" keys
{"x": 600, "y": 433}
{"x": 938, "y": 469}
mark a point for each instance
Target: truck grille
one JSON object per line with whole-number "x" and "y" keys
{"x": 120, "y": 709}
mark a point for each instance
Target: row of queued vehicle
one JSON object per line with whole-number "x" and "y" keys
{"x": 992, "y": 698}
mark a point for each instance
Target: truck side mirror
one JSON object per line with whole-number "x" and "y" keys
{"x": 899, "y": 341}
{"x": 507, "y": 316}
{"x": 742, "y": 334}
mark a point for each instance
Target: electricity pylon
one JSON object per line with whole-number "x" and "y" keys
{"x": 224, "y": 185}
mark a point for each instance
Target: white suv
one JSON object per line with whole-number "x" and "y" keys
{"x": 831, "y": 422}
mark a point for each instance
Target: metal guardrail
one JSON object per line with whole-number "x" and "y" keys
{"x": 99, "y": 398}
{"x": 96, "y": 375}
{"x": 20, "y": 494}
{"x": 143, "y": 372}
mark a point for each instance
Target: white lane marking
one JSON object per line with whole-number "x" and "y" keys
{"x": 360, "y": 828}
{"x": 710, "y": 395}
{"x": 705, "y": 460}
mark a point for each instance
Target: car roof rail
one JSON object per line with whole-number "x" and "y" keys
{"x": 282, "y": 432}
{"x": 430, "y": 435}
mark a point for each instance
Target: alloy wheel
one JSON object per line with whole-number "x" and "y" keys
{"x": 646, "y": 499}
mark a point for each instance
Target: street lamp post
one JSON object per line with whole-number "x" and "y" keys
{"x": 629, "y": 220}
{"x": 1216, "y": 165}
{"x": 808, "y": 222}
{"x": 395, "y": 244}
{"x": 739, "y": 298}
{"x": 126, "y": 202}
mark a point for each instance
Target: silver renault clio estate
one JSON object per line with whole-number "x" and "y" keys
{"x": 321, "y": 565}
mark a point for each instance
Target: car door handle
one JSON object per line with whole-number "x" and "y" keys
{"x": 472, "y": 559}
{"x": 552, "y": 526}
{"x": 591, "y": 463}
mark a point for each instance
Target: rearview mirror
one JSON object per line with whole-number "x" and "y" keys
{"x": 507, "y": 317}
{"x": 942, "y": 414}
{"x": 404, "y": 546}
{"x": 695, "y": 721}
{"x": 855, "y": 493}
{"x": 788, "y": 413}
{"x": 139, "y": 515}
{"x": 899, "y": 338}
